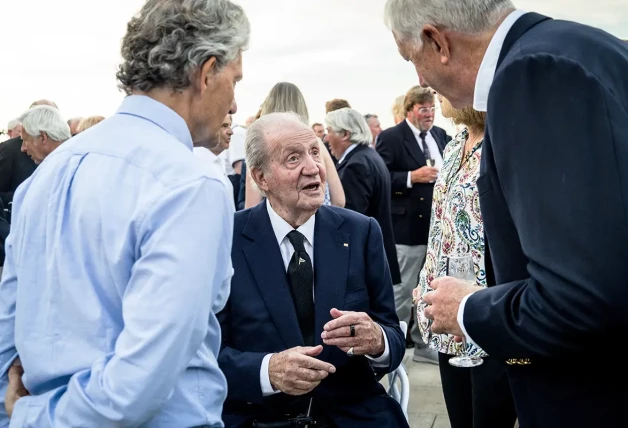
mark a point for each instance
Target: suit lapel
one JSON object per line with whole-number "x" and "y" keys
{"x": 440, "y": 137}
{"x": 520, "y": 27}
{"x": 345, "y": 161}
{"x": 411, "y": 144}
{"x": 264, "y": 259}
{"x": 331, "y": 267}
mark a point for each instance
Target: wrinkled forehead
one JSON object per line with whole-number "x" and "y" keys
{"x": 290, "y": 137}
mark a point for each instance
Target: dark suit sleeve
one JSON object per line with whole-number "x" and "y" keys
{"x": 242, "y": 190}
{"x": 358, "y": 187}
{"x": 382, "y": 301}
{"x": 386, "y": 149}
{"x": 242, "y": 369}
{"x": 6, "y": 174}
{"x": 554, "y": 148}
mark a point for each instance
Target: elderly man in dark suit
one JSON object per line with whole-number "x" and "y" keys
{"x": 311, "y": 313}
{"x": 556, "y": 95}
{"x": 412, "y": 151}
{"x": 363, "y": 175}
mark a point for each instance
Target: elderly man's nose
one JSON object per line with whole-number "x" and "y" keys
{"x": 23, "y": 146}
{"x": 234, "y": 107}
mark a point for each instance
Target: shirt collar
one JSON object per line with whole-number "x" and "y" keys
{"x": 282, "y": 228}
{"x": 158, "y": 113}
{"x": 349, "y": 149}
{"x": 205, "y": 153}
{"x": 416, "y": 131}
{"x": 486, "y": 73}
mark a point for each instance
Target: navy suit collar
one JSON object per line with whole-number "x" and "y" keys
{"x": 331, "y": 267}
{"x": 411, "y": 144}
{"x": 523, "y": 24}
{"x": 357, "y": 149}
{"x": 264, "y": 259}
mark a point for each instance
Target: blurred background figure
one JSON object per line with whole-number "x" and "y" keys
{"x": 88, "y": 123}
{"x": 376, "y": 128}
{"x": 398, "y": 109}
{"x": 43, "y": 130}
{"x": 14, "y": 128}
{"x": 73, "y": 123}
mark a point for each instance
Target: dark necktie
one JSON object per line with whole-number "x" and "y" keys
{"x": 426, "y": 150}
{"x": 301, "y": 279}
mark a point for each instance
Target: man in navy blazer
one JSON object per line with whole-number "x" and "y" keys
{"x": 406, "y": 150}
{"x": 311, "y": 318}
{"x": 363, "y": 174}
{"x": 554, "y": 198}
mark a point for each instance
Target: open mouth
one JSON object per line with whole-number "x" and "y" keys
{"x": 312, "y": 187}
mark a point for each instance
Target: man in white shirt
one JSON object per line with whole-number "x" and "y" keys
{"x": 311, "y": 313}
{"x": 209, "y": 155}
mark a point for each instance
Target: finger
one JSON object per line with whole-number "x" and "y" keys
{"x": 436, "y": 328}
{"x": 435, "y": 283}
{"x": 310, "y": 375}
{"x": 346, "y": 320}
{"x": 458, "y": 339}
{"x": 428, "y": 313}
{"x": 313, "y": 363}
{"x": 306, "y": 386}
{"x": 415, "y": 293}
{"x": 339, "y": 332}
{"x": 311, "y": 351}
{"x": 429, "y": 297}
{"x": 335, "y": 313}
{"x": 342, "y": 341}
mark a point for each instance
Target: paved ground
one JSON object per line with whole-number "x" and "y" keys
{"x": 427, "y": 406}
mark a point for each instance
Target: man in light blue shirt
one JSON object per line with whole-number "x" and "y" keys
{"x": 118, "y": 257}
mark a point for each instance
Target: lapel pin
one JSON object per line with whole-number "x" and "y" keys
{"x": 346, "y": 245}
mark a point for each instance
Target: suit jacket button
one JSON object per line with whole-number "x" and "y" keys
{"x": 420, "y": 216}
{"x": 422, "y": 199}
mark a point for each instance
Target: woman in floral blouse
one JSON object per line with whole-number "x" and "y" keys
{"x": 476, "y": 397}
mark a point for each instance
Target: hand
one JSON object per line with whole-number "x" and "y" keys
{"x": 296, "y": 371}
{"x": 368, "y": 339}
{"x": 426, "y": 174}
{"x": 15, "y": 389}
{"x": 444, "y": 302}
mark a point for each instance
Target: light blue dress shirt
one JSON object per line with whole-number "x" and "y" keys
{"x": 117, "y": 261}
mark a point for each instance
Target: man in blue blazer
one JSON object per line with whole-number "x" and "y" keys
{"x": 311, "y": 318}
{"x": 554, "y": 196}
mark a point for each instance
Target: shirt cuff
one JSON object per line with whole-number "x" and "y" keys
{"x": 264, "y": 378}
{"x": 460, "y": 319}
{"x": 384, "y": 359}
{"x": 409, "y": 183}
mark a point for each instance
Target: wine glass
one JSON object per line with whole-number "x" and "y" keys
{"x": 461, "y": 267}
{"x": 430, "y": 162}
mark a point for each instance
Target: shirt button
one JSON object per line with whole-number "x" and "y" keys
{"x": 420, "y": 216}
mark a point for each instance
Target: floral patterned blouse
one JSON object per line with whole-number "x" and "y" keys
{"x": 456, "y": 228}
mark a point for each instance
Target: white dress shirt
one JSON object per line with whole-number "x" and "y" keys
{"x": 486, "y": 73}
{"x": 431, "y": 145}
{"x": 483, "y": 84}
{"x": 282, "y": 229}
{"x": 235, "y": 152}
{"x": 215, "y": 168}
{"x": 349, "y": 150}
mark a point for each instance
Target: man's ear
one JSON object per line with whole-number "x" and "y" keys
{"x": 259, "y": 177}
{"x": 346, "y": 136}
{"x": 437, "y": 42}
{"x": 44, "y": 137}
{"x": 205, "y": 74}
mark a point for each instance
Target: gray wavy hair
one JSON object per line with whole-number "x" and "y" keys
{"x": 348, "y": 119}
{"x": 45, "y": 119}
{"x": 170, "y": 39}
{"x": 406, "y": 18}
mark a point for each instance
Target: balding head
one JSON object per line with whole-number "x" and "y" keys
{"x": 43, "y": 103}
{"x": 283, "y": 155}
{"x": 73, "y": 124}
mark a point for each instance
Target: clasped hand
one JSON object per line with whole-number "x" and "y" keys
{"x": 368, "y": 338}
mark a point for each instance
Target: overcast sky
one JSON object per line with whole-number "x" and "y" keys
{"x": 67, "y": 51}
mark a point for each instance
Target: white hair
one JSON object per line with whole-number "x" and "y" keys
{"x": 406, "y": 18}
{"x": 255, "y": 145}
{"x": 45, "y": 119}
{"x": 348, "y": 119}
{"x": 13, "y": 124}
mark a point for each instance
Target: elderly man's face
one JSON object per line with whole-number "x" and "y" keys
{"x": 36, "y": 146}
{"x": 375, "y": 127}
{"x": 225, "y": 133}
{"x": 15, "y": 132}
{"x": 296, "y": 176}
{"x": 319, "y": 131}
{"x": 436, "y": 68}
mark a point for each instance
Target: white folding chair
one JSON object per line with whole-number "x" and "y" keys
{"x": 400, "y": 393}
